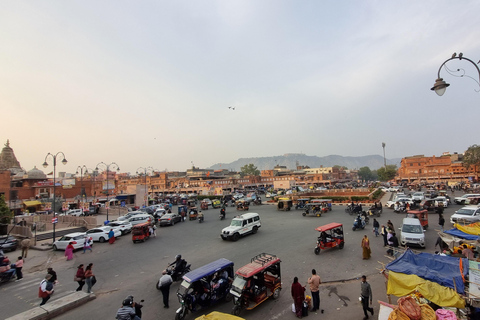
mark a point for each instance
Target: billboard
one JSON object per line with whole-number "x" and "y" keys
{"x": 109, "y": 186}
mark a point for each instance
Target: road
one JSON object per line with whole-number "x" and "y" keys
{"x": 125, "y": 268}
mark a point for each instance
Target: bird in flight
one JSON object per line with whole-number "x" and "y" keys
{"x": 233, "y": 108}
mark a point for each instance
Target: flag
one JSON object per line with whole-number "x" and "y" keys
{"x": 49, "y": 174}
{"x": 208, "y": 174}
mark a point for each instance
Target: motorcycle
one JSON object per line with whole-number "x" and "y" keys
{"x": 222, "y": 214}
{"x": 359, "y": 222}
{"x": 200, "y": 218}
{"x": 7, "y": 270}
{"x": 175, "y": 276}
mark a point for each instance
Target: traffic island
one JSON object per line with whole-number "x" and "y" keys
{"x": 56, "y": 307}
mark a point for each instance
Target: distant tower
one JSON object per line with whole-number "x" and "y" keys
{"x": 8, "y": 161}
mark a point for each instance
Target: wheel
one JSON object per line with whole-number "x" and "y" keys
{"x": 276, "y": 293}
{"x": 353, "y": 228}
{"x": 317, "y": 250}
{"x": 173, "y": 222}
{"x": 346, "y": 210}
{"x": 223, "y": 238}
{"x": 134, "y": 241}
{"x": 236, "y": 310}
{"x": 102, "y": 240}
{"x": 236, "y": 236}
{"x": 228, "y": 297}
{"x": 181, "y": 315}
{"x": 54, "y": 248}
{"x": 304, "y": 214}
{"x": 255, "y": 229}
{"x": 351, "y": 212}
{"x": 341, "y": 245}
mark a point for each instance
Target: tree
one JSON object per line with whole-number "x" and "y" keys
{"x": 388, "y": 174}
{"x": 6, "y": 214}
{"x": 471, "y": 157}
{"x": 364, "y": 173}
{"x": 340, "y": 167}
{"x": 249, "y": 170}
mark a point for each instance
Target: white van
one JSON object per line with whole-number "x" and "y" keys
{"x": 140, "y": 218}
{"x": 243, "y": 224}
{"x": 412, "y": 232}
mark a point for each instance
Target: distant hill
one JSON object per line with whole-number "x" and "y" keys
{"x": 290, "y": 160}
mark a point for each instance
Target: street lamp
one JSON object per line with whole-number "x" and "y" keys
{"x": 384, "y": 159}
{"x": 145, "y": 171}
{"x": 107, "y": 166}
{"x": 440, "y": 86}
{"x": 45, "y": 164}
{"x": 82, "y": 189}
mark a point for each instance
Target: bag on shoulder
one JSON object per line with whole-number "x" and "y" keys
{"x": 75, "y": 278}
{"x": 94, "y": 280}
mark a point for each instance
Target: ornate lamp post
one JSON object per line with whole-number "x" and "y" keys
{"x": 145, "y": 172}
{"x": 45, "y": 164}
{"x": 82, "y": 191}
{"x": 107, "y": 166}
{"x": 440, "y": 86}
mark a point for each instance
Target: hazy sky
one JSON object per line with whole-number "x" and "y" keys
{"x": 149, "y": 83}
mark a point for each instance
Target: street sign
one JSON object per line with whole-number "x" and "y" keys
{"x": 54, "y": 220}
{"x": 107, "y": 205}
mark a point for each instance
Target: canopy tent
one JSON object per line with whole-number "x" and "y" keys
{"x": 453, "y": 241}
{"x": 400, "y": 284}
{"x": 443, "y": 270}
{"x": 215, "y": 315}
{"x": 461, "y": 234}
{"x": 33, "y": 203}
{"x": 473, "y": 228}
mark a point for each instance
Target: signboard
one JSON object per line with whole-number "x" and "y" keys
{"x": 54, "y": 220}
{"x": 48, "y": 206}
{"x": 474, "y": 279}
{"x": 107, "y": 205}
{"x": 68, "y": 182}
{"x": 64, "y": 206}
{"x": 109, "y": 186}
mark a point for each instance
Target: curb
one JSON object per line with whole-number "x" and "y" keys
{"x": 56, "y": 307}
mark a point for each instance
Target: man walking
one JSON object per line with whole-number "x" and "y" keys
{"x": 366, "y": 293}
{"x": 25, "y": 244}
{"x": 165, "y": 282}
{"x": 314, "y": 282}
{"x": 46, "y": 289}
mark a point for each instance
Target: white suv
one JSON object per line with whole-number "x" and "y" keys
{"x": 465, "y": 198}
{"x": 243, "y": 224}
{"x": 468, "y": 214}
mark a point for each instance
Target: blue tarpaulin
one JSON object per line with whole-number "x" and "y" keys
{"x": 443, "y": 270}
{"x": 460, "y": 234}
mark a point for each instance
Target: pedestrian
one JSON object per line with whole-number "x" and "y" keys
{"x": 69, "y": 251}
{"x": 314, "y": 282}
{"x": 366, "y": 293}
{"x": 165, "y": 282}
{"x": 152, "y": 231}
{"x": 25, "y": 244}
{"x": 52, "y": 272}
{"x": 87, "y": 244}
{"x": 90, "y": 278}
{"x": 18, "y": 268}
{"x": 376, "y": 225}
{"x": 467, "y": 252}
{"x": 392, "y": 242}
{"x": 384, "y": 234}
{"x": 390, "y": 226}
{"x": 46, "y": 289}
{"x": 127, "y": 312}
{"x": 441, "y": 221}
{"x": 366, "y": 248}
{"x": 80, "y": 277}
{"x": 298, "y": 295}
{"x": 111, "y": 236}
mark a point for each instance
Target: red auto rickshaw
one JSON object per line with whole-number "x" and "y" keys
{"x": 141, "y": 232}
{"x": 421, "y": 215}
{"x": 331, "y": 235}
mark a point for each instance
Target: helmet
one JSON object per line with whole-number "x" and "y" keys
{"x": 127, "y": 302}
{"x": 178, "y": 256}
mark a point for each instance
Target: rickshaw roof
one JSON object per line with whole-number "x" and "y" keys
{"x": 329, "y": 226}
{"x": 257, "y": 266}
{"x": 207, "y": 270}
{"x": 417, "y": 211}
{"x": 304, "y": 199}
{"x": 195, "y": 208}
{"x": 321, "y": 200}
{"x": 141, "y": 225}
{"x": 284, "y": 199}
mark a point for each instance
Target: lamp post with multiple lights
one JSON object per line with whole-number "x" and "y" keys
{"x": 107, "y": 166}
{"x": 145, "y": 172}
{"x": 440, "y": 86}
{"x": 82, "y": 191}
{"x": 45, "y": 164}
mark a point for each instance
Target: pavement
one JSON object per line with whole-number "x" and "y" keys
{"x": 40, "y": 257}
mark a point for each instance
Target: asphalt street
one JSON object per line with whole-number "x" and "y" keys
{"x": 125, "y": 268}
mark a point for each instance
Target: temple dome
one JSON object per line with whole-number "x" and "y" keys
{"x": 36, "y": 174}
{"x": 8, "y": 161}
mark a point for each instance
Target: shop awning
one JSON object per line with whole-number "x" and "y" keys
{"x": 32, "y": 203}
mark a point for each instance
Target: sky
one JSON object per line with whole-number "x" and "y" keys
{"x": 150, "y": 83}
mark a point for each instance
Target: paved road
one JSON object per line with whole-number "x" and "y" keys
{"x": 125, "y": 268}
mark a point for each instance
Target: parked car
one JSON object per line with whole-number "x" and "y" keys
{"x": 468, "y": 214}
{"x": 77, "y": 238}
{"x": 140, "y": 218}
{"x": 393, "y": 189}
{"x": 412, "y": 233}
{"x": 442, "y": 200}
{"x": 73, "y": 212}
{"x": 124, "y": 226}
{"x": 8, "y": 243}
{"x": 101, "y": 233}
{"x": 391, "y": 204}
{"x": 129, "y": 215}
{"x": 169, "y": 219}
{"x": 465, "y": 198}
{"x": 418, "y": 196}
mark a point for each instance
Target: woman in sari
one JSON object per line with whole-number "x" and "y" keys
{"x": 111, "y": 236}
{"x": 69, "y": 251}
{"x": 366, "y": 248}
{"x": 298, "y": 295}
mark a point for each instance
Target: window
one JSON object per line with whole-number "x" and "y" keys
{"x": 250, "y": 220}
{"x": 256, "y": 218}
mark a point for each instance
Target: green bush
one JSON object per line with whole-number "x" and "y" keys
{"x": 377, "y": 194}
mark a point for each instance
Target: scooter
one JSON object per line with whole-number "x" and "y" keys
{"x": 175, "y": 277}
{"x": 222, "y": 214}
{"x": 200, "y": 218}
{"x": 359, "y": 223}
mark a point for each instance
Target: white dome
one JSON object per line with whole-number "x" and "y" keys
{"x": 36, "y": 174}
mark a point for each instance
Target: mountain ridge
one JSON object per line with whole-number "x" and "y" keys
{"x": 290, "y": 160}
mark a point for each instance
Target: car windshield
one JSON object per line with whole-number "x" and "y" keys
{"x": 466, "y": 212}
{"x": 238, "y": 284}
{"x": 410, "y": 228}
{"x": 236, "y": 223}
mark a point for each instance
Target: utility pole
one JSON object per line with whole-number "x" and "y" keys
{"x": 384, "y": 159}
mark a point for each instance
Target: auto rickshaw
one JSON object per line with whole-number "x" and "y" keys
{"x": 191, "y": 202}
{"x": 421, "y": 215}
{"x": 192, "y": 213}
{"x": 204, "y": 287}
{"x": 301, "y": 203}
{"x": 284, "y": 204}
{"x": 242, "y": 205}
{"x": 216, "y": 203}
{"x": 204, "y": 205}
{"x": 313, "y": 208}
{"x": 325, "y": 204}
{"x": 141, "y": 232}
{"x": 256, "y": 282}
{"x": 182, "y": 211}
{"x": 331, "y": 235}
